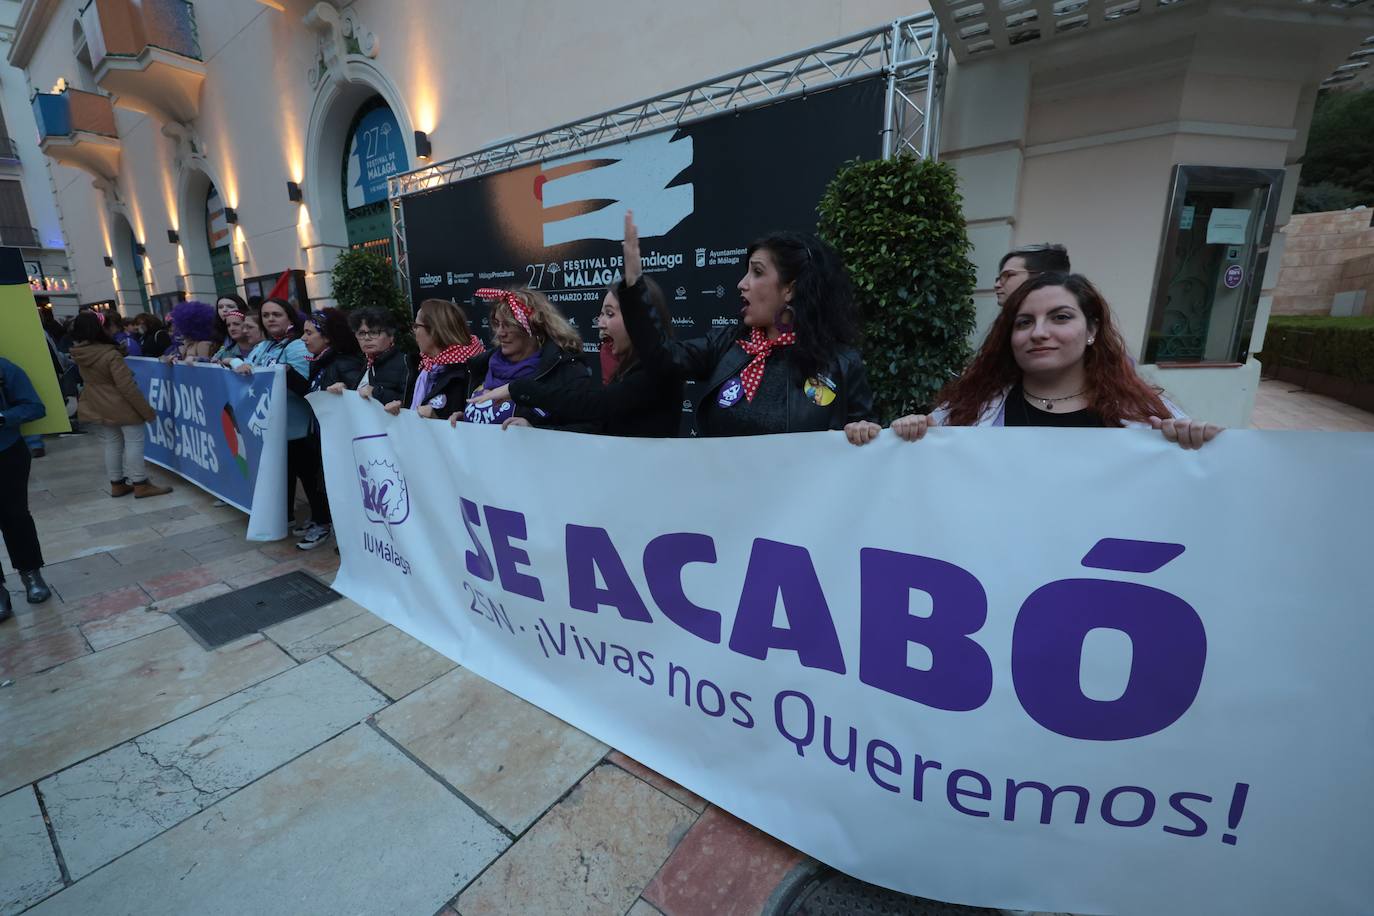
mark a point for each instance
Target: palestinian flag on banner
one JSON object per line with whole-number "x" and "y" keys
{"x": 234, "y": 439}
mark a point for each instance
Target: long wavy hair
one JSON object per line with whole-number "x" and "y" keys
{"x": 825, "y": 317}
{"x": 1115, "y": 391}
{"x": 546, "y": 322}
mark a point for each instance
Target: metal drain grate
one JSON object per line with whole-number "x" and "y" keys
{"x": 225, "y": 618}
{"x": 834, "y": 894}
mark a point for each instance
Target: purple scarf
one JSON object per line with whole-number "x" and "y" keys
{"x": 500, "y": 371}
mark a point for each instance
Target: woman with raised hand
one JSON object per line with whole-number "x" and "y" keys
{"x": 113, "y": 404}
{"x": 1054, "y": 357}
{"x": 626, "y": 400}
{"x": 388, "y": 377}
{"x": 447, "y": 348}
{"x": 533, "y": 341}
{"x": 789, "y": 367}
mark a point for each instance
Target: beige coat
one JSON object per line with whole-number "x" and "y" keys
{"x": 109, "y": 395}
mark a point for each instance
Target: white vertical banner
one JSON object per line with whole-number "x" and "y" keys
{"x": 1071, "y": 670}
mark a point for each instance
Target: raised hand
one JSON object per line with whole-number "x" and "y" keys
{"x": 633, "y": 266}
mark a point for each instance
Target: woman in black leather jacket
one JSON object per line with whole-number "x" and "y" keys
{"x": 336, "y": 362}
{"x": 789, "y": 367}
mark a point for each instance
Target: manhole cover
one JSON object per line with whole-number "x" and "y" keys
{"x": 834, "y": 894}
{"x": 225, "y": 618}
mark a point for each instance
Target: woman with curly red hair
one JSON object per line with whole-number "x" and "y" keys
{"x": 1054, "y": 357}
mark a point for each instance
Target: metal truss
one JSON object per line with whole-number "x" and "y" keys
{"x": 909, "y": 53}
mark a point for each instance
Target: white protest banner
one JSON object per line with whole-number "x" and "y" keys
{"x": 1071, "y": 670}
{"x": 223, "y": 432}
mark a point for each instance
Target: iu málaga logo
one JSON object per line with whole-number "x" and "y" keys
{"x": 386, "y": 498}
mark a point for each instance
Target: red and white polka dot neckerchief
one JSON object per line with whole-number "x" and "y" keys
{"x": 518, "y": 308}
{"x": 759, "y": 346}
{"x": 458, "y": 353}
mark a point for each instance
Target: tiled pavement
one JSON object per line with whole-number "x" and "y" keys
{"x": 330, "y": 764}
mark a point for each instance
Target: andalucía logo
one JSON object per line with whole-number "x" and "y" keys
{"x": 234, "y": 439}
{"x": 386, "y": 499}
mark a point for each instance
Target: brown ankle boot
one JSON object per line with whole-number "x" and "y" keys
{"x": 144, "y": 488}
{"x": 120, "y": 488}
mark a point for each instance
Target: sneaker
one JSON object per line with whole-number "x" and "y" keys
{"x": 300, "y": 528}
{"x": 314, "y": 537}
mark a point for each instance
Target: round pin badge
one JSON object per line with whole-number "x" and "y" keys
{"x": 438, "y": 401}
{"x": 730, "y": 393}
{"x": 820, "y": 390}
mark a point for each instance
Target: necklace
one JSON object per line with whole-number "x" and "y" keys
{"x": 1050, "y": 402}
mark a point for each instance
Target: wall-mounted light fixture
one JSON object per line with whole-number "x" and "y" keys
{"x": 293, "y": 191}
{"x": 231, "y": 216}
{"x": 173, "y": 237}
{"x": 139, "y": 249}
{"x": 422, "y": 147}
{"x": 109, "y": 261}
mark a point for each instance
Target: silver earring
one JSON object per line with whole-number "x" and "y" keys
{"x": 1090, "y": 340}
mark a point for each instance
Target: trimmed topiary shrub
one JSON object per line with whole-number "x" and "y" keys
{"x": 899, "y": 226}
{"x": 1341, "y": 347}
{"x": 362, "y": 278}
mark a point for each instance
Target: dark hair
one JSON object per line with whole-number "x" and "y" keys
{"x": 222, "y": 326}
{"x": 1039, "y": 259}
{"x": 658, "y": 305}
{"x": 232, "y": 297}
{"x": 1115, "y": 391}
{"x": 255, "y": 303}
{"x": 194, "y": 320}
{"x": 297, "y": 321}
{"x": 114, "y": 320}
{"x": 824, "y": 315}
{"x": 86, "y": 328}
{"x": 150, "y": 322}
{"x": 378, "y": 319}
{"x": 332, "y": 323}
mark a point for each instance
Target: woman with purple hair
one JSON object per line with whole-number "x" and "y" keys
{"x": 194, "y": 325}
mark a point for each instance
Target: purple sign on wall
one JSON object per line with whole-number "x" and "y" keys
{"x": 1234, "y": 274}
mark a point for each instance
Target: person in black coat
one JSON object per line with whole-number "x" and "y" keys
{"x": 388, "y": 376}
{"x": 627, "y": 400}
{"x": 336, "y": 364}
{"x": 447, "y": 348}
{"x": 789, "y": 367}
{"x": 533, "y": 341}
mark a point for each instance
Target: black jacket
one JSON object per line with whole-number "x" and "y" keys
{"x": 557, "y": 368}
{"x": 155, "y": 344}
{"x": 390, "y": 378}
{"x": 333, "y": 367}
{"x": 717, "y": 357}
{"x": 636, "y": 404}
{"x": 449, "y": 386}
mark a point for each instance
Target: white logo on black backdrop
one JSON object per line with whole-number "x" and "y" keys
{"x": 637, "y": 180}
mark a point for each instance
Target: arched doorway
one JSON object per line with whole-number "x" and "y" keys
{"x": 130, "y": 289}
{"x": 219, "y": 238}
{"x": 374, "y": 149}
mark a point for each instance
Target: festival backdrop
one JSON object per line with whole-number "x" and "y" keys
{"x": 1074, "y": 671}
{"x": 700, "y": 194}
{"x": 222, "y": 431}
{"x": 23, "y": 343}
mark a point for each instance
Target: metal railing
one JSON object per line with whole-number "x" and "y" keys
{"x": 9, "y": 150}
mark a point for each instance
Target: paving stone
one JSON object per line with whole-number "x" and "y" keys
{"x": 394, "y": 662}
{"x": 29, "y": 871}
{"x": 593, "y": 853}
{"x": 179, "y": 582}
{"x": 644, "y": 908}
{"x": 511, "y": 758}
{"x": 32, "y": 655}
{"x": 105, "y": 806}
{"x": 131, "y": 624}
{"x": 135, "y": 522}
{"x": 351, "y": 827}
{"x": 658, "y": 781}
{"x": 723, "y": 865}
{"x": 230, "y": 546}
{"x": 314, "y": 622}
{"x": 163, "y": 548}
{"x": 340, "y": 634}
{"x": 93, "y": 703}
{"x": 72, "y": 570}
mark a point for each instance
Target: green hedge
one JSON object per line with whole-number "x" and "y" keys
{"x": 1342, "y": 347}
{"x": 899, "y": 226}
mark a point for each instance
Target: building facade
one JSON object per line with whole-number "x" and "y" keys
{"x": 205, "y": 146}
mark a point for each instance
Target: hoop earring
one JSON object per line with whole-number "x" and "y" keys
{"x": 784, "y": 320}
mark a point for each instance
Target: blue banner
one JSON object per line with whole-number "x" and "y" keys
{"x": 224, "y": 432}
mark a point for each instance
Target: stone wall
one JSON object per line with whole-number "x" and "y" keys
{"x": 1326, "y": 254}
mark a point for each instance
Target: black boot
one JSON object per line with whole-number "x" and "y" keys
{"x": 37, "y": 589}
{"x": 6, "y": 610}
